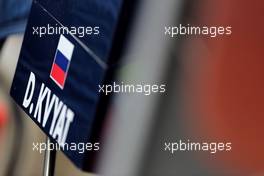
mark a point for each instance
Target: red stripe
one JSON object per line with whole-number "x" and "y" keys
{"x": 58, "y": 74}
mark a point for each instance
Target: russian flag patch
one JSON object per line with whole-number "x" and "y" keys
{"x": 61, "y": 61}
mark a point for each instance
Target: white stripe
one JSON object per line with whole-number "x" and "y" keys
{"x": 65, "y": 47}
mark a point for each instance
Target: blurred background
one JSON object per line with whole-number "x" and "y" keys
{"x": 214, "y": 92}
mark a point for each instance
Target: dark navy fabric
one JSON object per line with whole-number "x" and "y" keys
{"x": 80, "y": 92}
{"x": 103, "y": 13}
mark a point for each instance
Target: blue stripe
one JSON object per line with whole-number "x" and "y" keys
{"x": 61, "y": 61}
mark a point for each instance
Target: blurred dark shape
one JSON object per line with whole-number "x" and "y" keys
{"x": 2, "y": 41}
{"x": 13, "y": 16}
